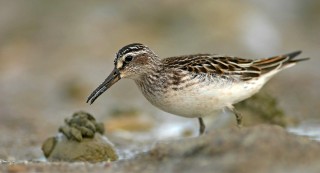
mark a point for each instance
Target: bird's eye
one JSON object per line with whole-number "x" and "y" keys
{"x": 128, "y": 58}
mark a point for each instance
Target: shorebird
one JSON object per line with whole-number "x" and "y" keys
{"x": 194, "y": 85}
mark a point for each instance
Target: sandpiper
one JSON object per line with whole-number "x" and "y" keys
{"x": 194, "y": 85}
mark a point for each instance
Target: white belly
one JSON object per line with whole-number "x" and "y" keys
{"x": 203, "y": 100}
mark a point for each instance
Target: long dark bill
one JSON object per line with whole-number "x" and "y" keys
{"x": 110, "y": 80}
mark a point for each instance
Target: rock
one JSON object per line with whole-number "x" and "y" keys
{"x": 80, "y": 140}
{"x": 48, "y": 145}
{"x": 81, "y": 125}
{"x": 95, "y": 149}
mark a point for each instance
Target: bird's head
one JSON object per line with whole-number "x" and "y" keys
{"x": 131, "y": 61}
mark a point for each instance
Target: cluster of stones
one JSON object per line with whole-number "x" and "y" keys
{"x": 80, "y": 139}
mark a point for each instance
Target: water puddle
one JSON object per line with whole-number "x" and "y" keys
{"x": 308, "y": 129}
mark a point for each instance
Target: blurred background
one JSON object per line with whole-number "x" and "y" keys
{"x": 54, "y": 53}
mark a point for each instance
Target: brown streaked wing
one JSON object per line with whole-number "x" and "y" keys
{"x": 215, "y": 64}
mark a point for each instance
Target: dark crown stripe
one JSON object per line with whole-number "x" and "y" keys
{"x": 130, "y": 48}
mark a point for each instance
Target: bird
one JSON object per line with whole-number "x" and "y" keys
{"x": 195, "y": 85}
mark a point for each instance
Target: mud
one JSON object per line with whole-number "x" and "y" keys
{"x": 258, "y": 149}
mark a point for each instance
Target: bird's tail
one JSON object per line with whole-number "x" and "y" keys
{"x": 278, "y": 62}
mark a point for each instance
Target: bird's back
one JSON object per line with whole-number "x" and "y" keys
{"x": 229, "y": 66}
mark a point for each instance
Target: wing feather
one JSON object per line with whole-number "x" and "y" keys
{"x": 244, "y": 69}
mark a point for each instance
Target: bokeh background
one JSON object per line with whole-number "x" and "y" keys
{"x": 54, "y": 53}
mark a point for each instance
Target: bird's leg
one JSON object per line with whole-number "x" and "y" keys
{"x": 238, "y": 116}
{"x": 202, "y": 126}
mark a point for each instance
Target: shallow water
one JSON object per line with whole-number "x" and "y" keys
{"x": 308, "y": 129}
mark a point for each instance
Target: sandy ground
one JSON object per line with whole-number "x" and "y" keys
{"x": 261, "y": 149}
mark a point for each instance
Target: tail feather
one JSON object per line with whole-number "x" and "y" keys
{"x": 293, "y": 55}
{"x": 278, "y": 62}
